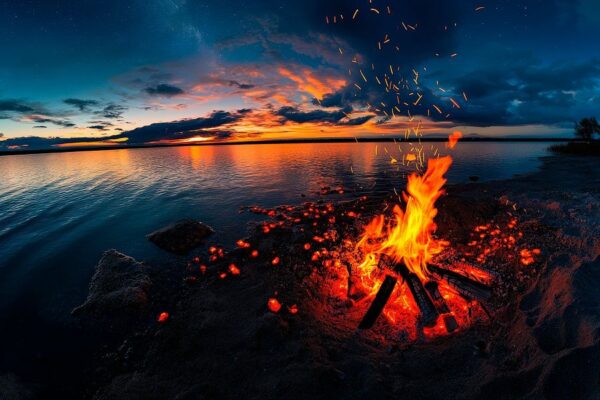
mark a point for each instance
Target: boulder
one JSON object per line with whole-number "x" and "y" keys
{"x": 181, "y": 237}
{"x": 119, "y": 287}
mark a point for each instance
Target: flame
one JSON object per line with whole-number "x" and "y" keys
{"x": 453, "y": 139}
{"x": 409, "y": 236}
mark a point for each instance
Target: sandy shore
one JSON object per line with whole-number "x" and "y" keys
{"x": 220, "y": 340}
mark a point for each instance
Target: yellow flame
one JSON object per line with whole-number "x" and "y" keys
{"x": 409, "y": 236}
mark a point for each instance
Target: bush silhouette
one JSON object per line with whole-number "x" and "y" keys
{"x": 586, "y": 128}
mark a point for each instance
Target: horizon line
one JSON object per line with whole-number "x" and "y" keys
{"x": 279, "y": 141}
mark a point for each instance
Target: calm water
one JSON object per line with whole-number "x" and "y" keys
{"x": 59, "y": 212}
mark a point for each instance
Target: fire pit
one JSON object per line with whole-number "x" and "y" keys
{"x": 403, "y": 250}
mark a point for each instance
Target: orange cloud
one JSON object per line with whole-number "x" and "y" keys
{"x": 307, "y": 81}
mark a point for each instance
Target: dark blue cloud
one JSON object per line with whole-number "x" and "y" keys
{"x": 164, "y": 89}
{"x": 243, "y": 86}
{"x": 295, "y": 115}
{"x": 80, "y": 104}
{"x": 112, "y": 111}
{"x": 182, "y": 129}
{"x": 16, "y": 106}
{"x": 517, "y": 92}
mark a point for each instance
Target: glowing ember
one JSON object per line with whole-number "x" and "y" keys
{"x": 527, "y": 256}
{"x": 274, "y": 305}
{"x": 293, "y": 309}
{"x": 163, "y": 317}
{"x": 242, "y": 244}
{"x": 234, "y": 269}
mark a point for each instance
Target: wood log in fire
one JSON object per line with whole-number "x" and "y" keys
{"x": 429, "y": 313}
{"x": 382, "y": 297}
{"x": 440, "y": 303}
{"x": 468, "y": 288}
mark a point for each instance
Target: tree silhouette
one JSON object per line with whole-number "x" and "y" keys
{"x": 586, "y": 128}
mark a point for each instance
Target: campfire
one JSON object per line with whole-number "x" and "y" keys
{"x": 403, "y": 250}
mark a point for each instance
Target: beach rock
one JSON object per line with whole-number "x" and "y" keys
{"x": 181, "y": 237}
{"x": 118, "y": 288}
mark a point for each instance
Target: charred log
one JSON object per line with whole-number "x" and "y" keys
{"x": 468, "y": 288}
{"x": 382, "y": 297}
{"x": 440, "y": 303}
{"x": 429, "y": 314}
{"x": 462, "y": 265}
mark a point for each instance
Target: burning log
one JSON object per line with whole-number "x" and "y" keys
{"x": 478, "y": 272}
{"x": 381, "y": 299}
{"x": 429, "y": 313}
{"x": 440, "y": 303}
{"x": 467, "y": 287}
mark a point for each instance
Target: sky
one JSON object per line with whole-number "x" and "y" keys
{"x": 114, "y": 72}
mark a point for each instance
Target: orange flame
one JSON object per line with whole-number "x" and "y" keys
{"x": 453, "y": 139}
{"x": 409, "y": 237}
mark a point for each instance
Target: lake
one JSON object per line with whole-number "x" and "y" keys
{"x": 60, "y": 211}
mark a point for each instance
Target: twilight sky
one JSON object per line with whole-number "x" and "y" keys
{"x": 160, "y": 71}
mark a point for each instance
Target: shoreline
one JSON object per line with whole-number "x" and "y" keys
{"x": 399, "y": 139}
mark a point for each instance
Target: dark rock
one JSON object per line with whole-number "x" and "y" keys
{"x": 12, "y": 389}
{"x": 181, "y": 237}
{"x": 119, "y": 287}
{"x": 473, "y": 178}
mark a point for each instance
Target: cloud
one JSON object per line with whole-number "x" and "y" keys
{"x": 22, "y": 111}
{"x": 97, "y": 127}
{"x": 112, "y": 111}
{"x": 36, "y": 142}
{"x": 519, "y": 93}
{"x": 164, "y": 89}
{"x": 40, "y": 126}
{"x": 357, "y": 121}
{"x": 186, "y": 128}
{"x": 43, "y": 119}
{"x": 295, "y": 115}
{"x": 81, "y": 105}
{"x": 243, "y": 86}
{"x": 16, "y": 106}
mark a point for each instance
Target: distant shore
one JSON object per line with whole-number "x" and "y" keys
{"x": 577, "y": 148}
{"x": 280, "y": 141}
